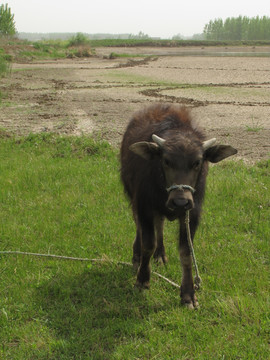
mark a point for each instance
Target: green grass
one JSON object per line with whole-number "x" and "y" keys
{"x": 4, "y": 68}
{"x": 170, "y": 43}
{"x": 49, "y": 49}
{"x": 62, "y": 195}
{"x": 114, "y": 55}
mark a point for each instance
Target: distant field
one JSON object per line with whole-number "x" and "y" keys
{"x": 62, "y": 195}
{"x": 228, "y": 95}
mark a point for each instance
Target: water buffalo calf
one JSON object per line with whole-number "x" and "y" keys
{"x": 163, "y": 148}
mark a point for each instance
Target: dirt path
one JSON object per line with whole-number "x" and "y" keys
{"x": 229, "y": 96}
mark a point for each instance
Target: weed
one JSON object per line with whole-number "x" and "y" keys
{"x": 255, "y": 126}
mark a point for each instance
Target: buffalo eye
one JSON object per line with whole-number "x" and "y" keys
{"x": 167, "y": 162}
{"x": 196, "y": 164}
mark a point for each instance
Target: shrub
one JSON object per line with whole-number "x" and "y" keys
{"x": 83, "y": 51}
{"x": 78, "y": 40}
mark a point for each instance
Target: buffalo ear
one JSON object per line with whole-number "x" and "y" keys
{"x": 217, "y": 153}
{"x": 146, "y": 150}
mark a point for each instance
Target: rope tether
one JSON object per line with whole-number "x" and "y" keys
{"x": 197, "y": 279}
{"x": 60, "y": 257}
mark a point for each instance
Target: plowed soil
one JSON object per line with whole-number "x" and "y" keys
{"x": 228, "y": 96}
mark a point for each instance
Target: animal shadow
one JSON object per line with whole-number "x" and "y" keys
{"x": 92, "y": 312}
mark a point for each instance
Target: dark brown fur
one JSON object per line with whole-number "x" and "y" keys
{"x": 182, "y": 160}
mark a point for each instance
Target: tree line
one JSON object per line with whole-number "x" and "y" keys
{"x": 238, "y": 28}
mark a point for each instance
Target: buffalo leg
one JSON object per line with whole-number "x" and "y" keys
{"x": 148, "y": 244}
{"x": 187, "y": 291}
{"x": 159, "y": 254}
{"x": 136, "y": 259}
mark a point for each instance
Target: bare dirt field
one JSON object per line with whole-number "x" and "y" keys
{"x": 228, "y": 96}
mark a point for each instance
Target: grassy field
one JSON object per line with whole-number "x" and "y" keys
{"x": 62, "y": 195}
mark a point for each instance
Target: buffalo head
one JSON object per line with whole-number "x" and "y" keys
{"x": 182, "y": 161}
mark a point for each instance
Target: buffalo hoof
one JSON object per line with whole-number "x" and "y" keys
{"x": 136, "y": 266}
{"x": 161, "y": 259}
{"x": 136, "y": 259}
{"x": 142, "y": 286}
{"x": 190, "y": 302}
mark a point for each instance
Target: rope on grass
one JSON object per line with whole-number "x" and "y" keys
{"x": 197, "y": 278}
{"x": 60, "y": 257}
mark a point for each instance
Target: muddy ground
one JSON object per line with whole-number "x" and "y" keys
{"x": 228, "y": 96}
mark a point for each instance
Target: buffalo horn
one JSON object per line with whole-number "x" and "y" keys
{"x": 208, "y": 143}
{"x": 158, "y": 140}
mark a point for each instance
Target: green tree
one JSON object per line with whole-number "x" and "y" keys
{"x": 7, "y": 23}
{"x": 240, "y": 28}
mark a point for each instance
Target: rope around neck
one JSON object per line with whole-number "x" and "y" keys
{"x": 181, "y": 187}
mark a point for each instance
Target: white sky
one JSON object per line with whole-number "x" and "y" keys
{"x": 161, "y": 18}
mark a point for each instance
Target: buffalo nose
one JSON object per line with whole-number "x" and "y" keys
{"x": 182, "y": 203}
